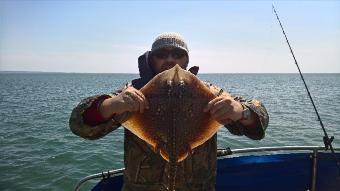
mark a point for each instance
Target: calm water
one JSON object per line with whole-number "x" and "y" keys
{"x": 39, "y": 152}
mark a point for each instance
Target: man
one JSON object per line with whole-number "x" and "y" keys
{"x": 144, "y": 169}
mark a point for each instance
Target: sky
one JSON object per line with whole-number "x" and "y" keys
{"x": 222, "y": 36}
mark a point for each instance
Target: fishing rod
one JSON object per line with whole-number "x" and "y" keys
{"x": 327, "y": 141}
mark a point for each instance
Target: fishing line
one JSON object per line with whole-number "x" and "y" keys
{"x": 327, "y": 141}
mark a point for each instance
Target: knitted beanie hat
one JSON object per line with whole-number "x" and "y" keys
{"x": 169, "y": 39}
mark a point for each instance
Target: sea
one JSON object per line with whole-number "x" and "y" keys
{"x": 39, "y": 152}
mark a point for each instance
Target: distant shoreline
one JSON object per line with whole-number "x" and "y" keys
{"x": 41, "y": 72}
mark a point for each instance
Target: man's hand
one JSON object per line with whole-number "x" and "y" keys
{"x": 130, "y": 99}
{"x": 224, "y": 109}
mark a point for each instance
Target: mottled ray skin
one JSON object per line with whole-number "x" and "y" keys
{"x": 175, "y": 123}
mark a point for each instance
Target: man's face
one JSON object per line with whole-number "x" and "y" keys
{"x": 166, "y": 58}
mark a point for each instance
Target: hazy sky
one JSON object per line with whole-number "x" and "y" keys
{"x": 223, "y": 36}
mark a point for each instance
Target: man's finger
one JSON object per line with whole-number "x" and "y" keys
{"x": 140, "y": 101}
{"x": 135, "y": 101}
{"x": 140, "y": 93}
{"x": 145, "y": 101}
{"x": 210, "y": 104}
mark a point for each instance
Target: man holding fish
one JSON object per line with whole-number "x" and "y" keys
{"x": 94, "y": 117}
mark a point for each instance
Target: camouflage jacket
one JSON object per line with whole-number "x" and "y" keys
{"x": 144, "y": 169}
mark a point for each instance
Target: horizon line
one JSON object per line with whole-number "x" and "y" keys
{"x": 23, "y": 71}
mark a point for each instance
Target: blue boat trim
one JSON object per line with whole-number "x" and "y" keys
{"x": 288, "y": 171}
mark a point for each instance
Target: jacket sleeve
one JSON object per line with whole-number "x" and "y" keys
{"x": 79, "y": 127}
{"x": 255, "y": 132}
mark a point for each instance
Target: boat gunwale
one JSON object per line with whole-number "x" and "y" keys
{"x": 220, "y": 153}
